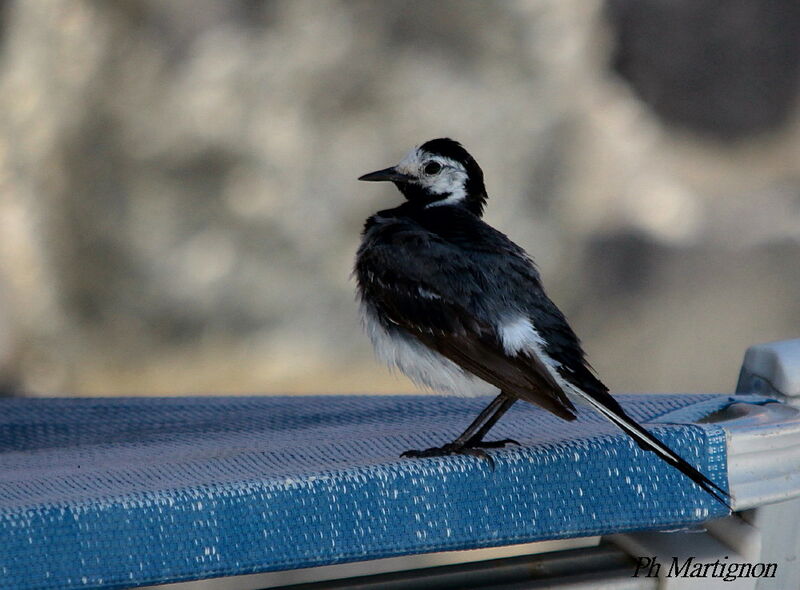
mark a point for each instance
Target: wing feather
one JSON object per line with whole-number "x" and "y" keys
{"x": 410, "y": 296}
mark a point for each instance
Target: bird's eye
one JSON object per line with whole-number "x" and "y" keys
{"x": 432, "y": 168}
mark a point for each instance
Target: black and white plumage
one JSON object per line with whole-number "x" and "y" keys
{"x": 460, "y": 308}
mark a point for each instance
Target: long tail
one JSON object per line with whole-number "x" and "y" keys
{"x": 649, "y": 442}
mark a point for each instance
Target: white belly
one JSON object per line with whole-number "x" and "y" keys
{"x": 426, "y": 368}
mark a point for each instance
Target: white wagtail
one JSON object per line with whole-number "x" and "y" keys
{"x": 459, "y": 308}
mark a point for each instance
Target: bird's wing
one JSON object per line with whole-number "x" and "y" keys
{"x": 421, "y": 299}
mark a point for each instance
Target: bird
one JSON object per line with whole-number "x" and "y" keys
{"x": 459, "y": 308}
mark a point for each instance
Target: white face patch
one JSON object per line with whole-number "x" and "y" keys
{"x": 449, "y": 180}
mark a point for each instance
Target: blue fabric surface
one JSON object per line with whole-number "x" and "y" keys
{"x": 122, "y": 492}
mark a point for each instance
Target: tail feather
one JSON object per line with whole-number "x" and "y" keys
{"x": 650, "y": 443}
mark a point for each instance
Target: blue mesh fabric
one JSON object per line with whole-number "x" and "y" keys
{"x": 122, "y": 492}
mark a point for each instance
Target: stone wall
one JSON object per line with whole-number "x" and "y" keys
{"x": 179, "y": 208}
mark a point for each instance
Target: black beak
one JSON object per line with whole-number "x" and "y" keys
{"x": 386, "y": 175}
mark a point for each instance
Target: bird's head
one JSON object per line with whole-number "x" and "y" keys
{"x": 439, "y": 172}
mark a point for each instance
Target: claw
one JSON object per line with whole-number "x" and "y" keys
{"x": 472, "y": 448}
{"x": 493, "y": 444}
{"x": 451, "y": 449}
{"x": 448, "y": 449}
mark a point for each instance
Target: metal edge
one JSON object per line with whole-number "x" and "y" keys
{"x": 763, "y": 447}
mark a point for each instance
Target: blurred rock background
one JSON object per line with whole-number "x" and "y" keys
{"x": 179, "y": 209}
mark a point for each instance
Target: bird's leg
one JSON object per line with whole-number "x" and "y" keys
{"x": 470, "y": 439}
{"x": 470, "y": 442}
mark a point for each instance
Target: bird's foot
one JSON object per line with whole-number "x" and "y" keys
{"x": 493, "y": 444}
{"x": 472, "y": 448}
